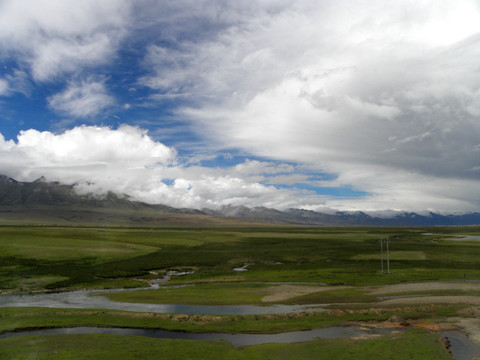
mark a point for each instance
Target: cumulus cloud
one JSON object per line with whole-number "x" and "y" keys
{"x": 73, "y": 154}
{"x": 55, "y": 37}
{"x": 82, "y": 99}
{"x": 127, "y": 160}
{"x": 87, "y": 145}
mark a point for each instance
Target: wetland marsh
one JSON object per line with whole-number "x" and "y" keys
{"x": 288, "y": 272}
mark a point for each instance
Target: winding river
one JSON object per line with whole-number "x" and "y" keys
{"x": 83, "y": 299}
{"x": 461, "y": 347}
{"x": 235, "y": 339}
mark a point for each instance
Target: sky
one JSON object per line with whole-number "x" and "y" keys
{"x": 358, "y": 105}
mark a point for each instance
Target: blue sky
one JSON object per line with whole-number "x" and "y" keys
{"x": 324, "y": 105}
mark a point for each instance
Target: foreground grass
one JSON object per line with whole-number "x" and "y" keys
{"x": 412, "y": 344}
{"x": 17, "y": 319}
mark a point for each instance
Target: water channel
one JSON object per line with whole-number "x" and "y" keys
{"x": 84, "y": 300}
{"x": 461, "y": 347}
{"x": 235, "y": 339}
{"x": 465, "y": 238}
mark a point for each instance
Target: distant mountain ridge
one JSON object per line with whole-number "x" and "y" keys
{"x": 42, "y": 202}
{"x": 51, "y": 201}
{"x": 43, "y": 193}
{"x": 308, "y": 217}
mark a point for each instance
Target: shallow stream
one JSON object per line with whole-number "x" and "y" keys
{"x": 235, "y": 339}
{"x": 461, "y": 347}
{"x": 83, "y": 300}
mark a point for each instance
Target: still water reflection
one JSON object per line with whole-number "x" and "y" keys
{"x": 460, "y": 346}
{"x": 235, "y": 339}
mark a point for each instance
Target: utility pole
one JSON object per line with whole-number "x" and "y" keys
{"x": 381, "y": 253}
{"x": 388, "y": 257}
{"x": 387, "y": 241}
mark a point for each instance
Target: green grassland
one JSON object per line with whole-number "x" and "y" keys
{"x": 412, "y": 344}
{"x": 428, "y": 345}
{"x": 16, "y": 319}
{"x": 63, "y": 258}
{"x": 55, "y": 258}
{"x": 238, "y": 294}
{"x": 202, "y": 294}
{"x": 257, "y": 294}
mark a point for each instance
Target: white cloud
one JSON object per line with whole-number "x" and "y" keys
{"x": 6, "y": 145}
{"x": 3, "y": 87}
{"x": 254, "y": 167}
{"x": 127, "y": 160}
{"x": 293, "y": 179}
{"x": 82, "y": 99}
{"x": 64, "y": 55}
{"x": 81, "y": 154}
{"x": 55, "y": 37}
{"x": 383, "y": 95}
{"x": 18, "y": 82}
{"x": 380, "y": 89}
{"x": 86, "y": 145}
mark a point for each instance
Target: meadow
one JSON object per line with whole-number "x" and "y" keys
{"x": 63, "y": 258}
{"x": 282, "y": 265}
{"x": 414, "y": 344}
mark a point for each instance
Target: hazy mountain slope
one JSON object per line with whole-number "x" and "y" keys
{"x": 42, "y": 202}
{"x": 51, "y": 202}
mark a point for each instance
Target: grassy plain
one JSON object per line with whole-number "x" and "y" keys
{"x": 412, "y": 344}
{"x": 245, "y": 293}
{"x": 62, "y": 258}
{"x": 314, "y": 265}
{"x": 16, "y": 319}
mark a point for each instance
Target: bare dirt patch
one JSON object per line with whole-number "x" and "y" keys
{"x": 469, "y": 326}
{"x": 400, "y": 288}
{"x": 285, "y": 292}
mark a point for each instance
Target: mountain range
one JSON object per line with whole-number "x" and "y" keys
{"x": 43, "y": 202}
